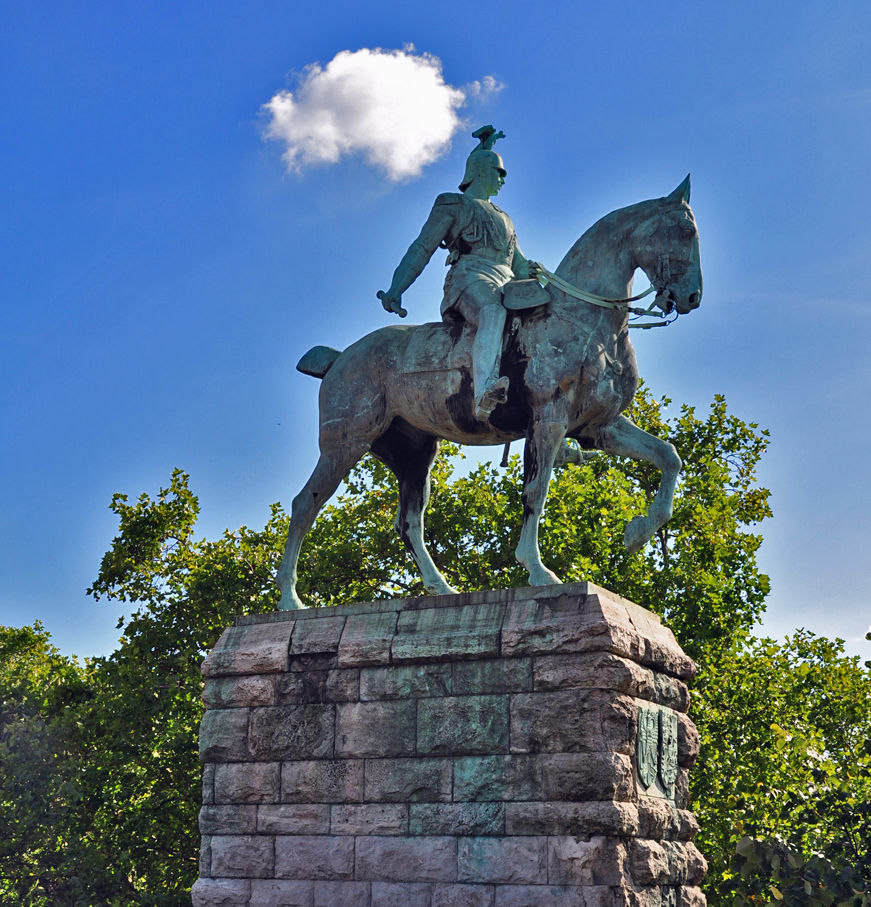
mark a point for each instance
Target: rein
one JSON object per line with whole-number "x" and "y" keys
{"x": 544, "y": 277}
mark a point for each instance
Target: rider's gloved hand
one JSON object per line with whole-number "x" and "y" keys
{"x": 392, "y": 302}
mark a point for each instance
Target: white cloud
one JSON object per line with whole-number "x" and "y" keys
{"x": 391, "y": 106}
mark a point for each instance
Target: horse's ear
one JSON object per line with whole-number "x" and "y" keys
{"x": 682, "y": 193}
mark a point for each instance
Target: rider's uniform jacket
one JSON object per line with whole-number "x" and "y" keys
{"x": 481, "y": 241}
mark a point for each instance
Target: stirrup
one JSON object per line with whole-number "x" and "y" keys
{"x": 495, "y": 394}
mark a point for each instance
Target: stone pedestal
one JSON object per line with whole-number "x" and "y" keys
{"x": 517, "y": 748}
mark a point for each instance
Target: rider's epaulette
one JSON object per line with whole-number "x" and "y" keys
{"x": 448, "y": 198}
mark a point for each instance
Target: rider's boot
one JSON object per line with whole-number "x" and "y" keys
{"x": 491, "y": 390}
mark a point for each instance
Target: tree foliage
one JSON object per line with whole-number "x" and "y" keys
{"x": 99, "y": 779}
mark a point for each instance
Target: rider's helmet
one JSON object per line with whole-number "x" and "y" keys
{"x": 483, "y": 155}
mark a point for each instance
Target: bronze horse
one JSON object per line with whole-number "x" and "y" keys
{"x": 572, "y": 369}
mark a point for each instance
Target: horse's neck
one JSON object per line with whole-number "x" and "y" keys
{"x": 602, "y": 261}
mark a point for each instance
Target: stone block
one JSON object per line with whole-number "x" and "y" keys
{"x": 248, "y": 782}
{"x": 294, "y": 819}
{"x": 457, "y": 819}
{"x": 573, "y": 721}
{"x": 401, "y": 894}
{"x": 239, "y": 692}
{"x": 688, "y": 742}
{"x": 209, "y": 783}
{"x": 342, "y": 894}
{"x": 317, "y": 636}
{"x": 541, "y": 896}
{"x": 257, "y": 649}
{"x": 292, "y": 732}
{"x": 478, "y": 778}
{"x": 375, "y": 729}
{"x": 314, "y": 857}
{"x": 242, "y": 857}
{"x": 682, "y": 789}
{"x": 462, "y": 725}
{"x": 228, "y": 820}
{"x": 550, "y": 818}
{"x": 408, "y": 780}
{"x": 305, "y": 688}
{"x": 500, "y": 675}
{"x": 659, "y": 819}
{"x": 405, "y": 681}
{"x": 580, "y": 860}
{"x": 277, "y": 893}
{"x": 221, "y": 893}
{"x": 224, "y": 735}
{"x": 587, "y": 776}
{"x": 444, "y": 634}
{"x": 515, "y": 861}
{"x": 319, "y": 661}
{"x": 366, "y": 640}
{"x": 690, "y": 896}
{"x": 205, "y": 865}
{"x": 369, "y": 819}
{"x": 388, "y": 859}
{"x": 463, "y": 896}
{"x": 665, "y": 862}
{"x": 326, "y": 781}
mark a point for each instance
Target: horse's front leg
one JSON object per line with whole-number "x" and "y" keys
{"x": 625, "y": 439}
{"x": 541, "y": 449}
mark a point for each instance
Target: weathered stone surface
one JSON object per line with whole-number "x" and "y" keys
{"x": 224, "y": 735}
{"x": 221, "y": 893}
{"x": 258, "y": 649}
{"x": 228, "y": 820}
{"x": 205, "y": 856}
{"x": 387, "y": 859}
{"x": 373, "y": 729}
{"x": 587, "y": 776}
{"x": 682, "y": 789}
{"x": 500, "y": 675}
{"x": 462, "y": 725}
{"x": 573, "y": 721}
{"x": 314, "y": 857}
{"x": 366, "y": 640}
{"x": 659, "y": 819}
{"x": 294, "y": 819}
{"x": 597, "y": 860}
{"x": 665, "y": 862}
{"x": 305, "y": 688}
{"x": 688, "y": 741}
{"x": 408, "y": 780}
{"x": 342, "y": 894}
{"x": 514, "y": 860}
{"x": 549, "y": 818}
{"x": 318, "y": 661}
{"x": 463, "y": 896}
{"x": 276, "y": 893}
{"x": 327, "y": 781}
{"x": 369, "y": 819}
{"x": 690, "y": 896}
{"x": 479, "y": 778}
{"x": 542, "y": 896}
{"x": 248, "y": 782}
{"x": 242, "y": 857}
{"x": 405, "y": 681}
{"x": 238, "y": 692}
{"x": 438, "y": 634}
{"x": 292, "y": 732}
{"x": 401, "y": 894}
{"x": 209, "y": 783}
{"x": 317, "y": 636}
{"x": 457, "y": 819}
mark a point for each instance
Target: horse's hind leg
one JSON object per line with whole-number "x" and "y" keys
{"x": 334, "y": 464}
{"x": 411, "y": 459}
{"x": 542, "y": 445}
{"x": 625, "y": 439}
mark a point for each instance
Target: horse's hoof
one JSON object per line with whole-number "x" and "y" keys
{"x": 637, "y": 534}
{"x": 544, "y": 577}
{"x": 290, "y": 601}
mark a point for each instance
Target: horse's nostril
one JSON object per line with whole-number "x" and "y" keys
{"x": 694, "y": 299}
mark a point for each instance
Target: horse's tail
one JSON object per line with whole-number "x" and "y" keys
{"x": 317, "y": 361}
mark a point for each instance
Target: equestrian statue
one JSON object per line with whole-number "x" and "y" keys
{"x": 521, "y": 353}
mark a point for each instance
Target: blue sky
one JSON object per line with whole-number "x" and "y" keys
{"x": 162, "y": 271}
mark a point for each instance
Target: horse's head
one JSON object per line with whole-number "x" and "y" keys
{"x": 666, "y": 248}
